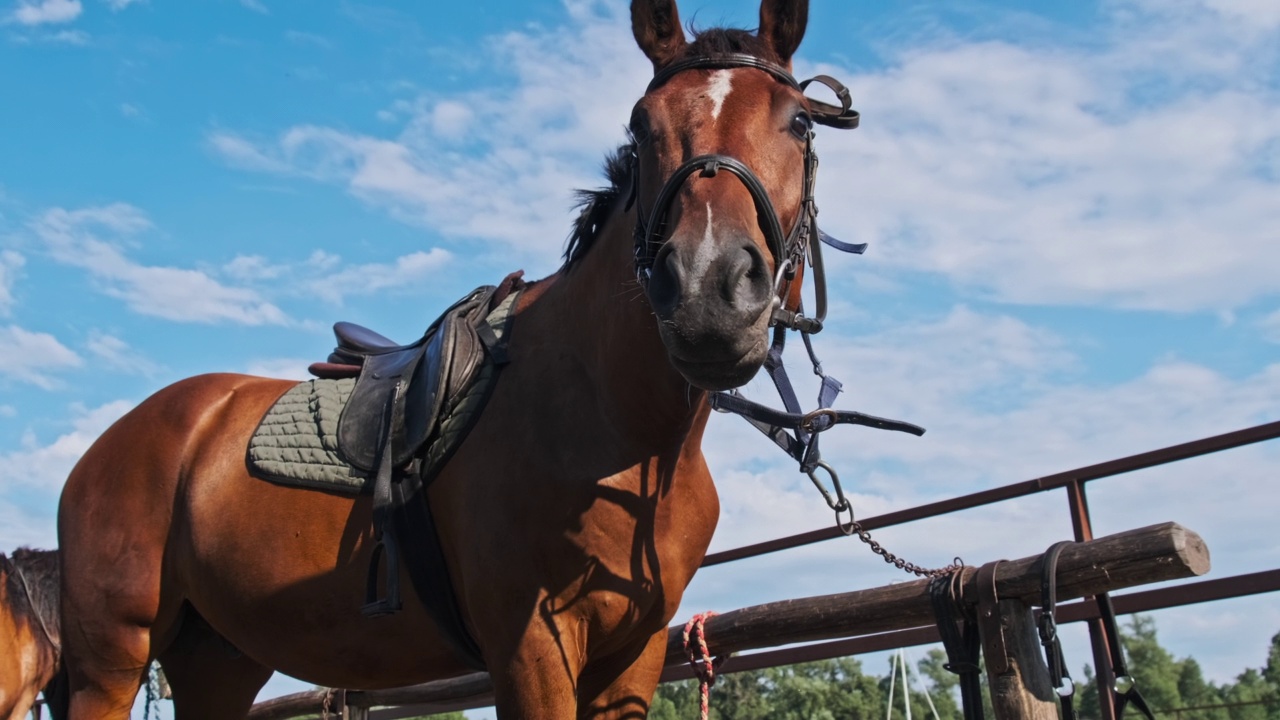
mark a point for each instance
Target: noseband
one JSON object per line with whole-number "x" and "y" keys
{"x": 789, "y": 250}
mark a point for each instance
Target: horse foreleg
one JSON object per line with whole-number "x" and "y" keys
{"x": 104, "y": 682}
{"x": 622, "y": 686}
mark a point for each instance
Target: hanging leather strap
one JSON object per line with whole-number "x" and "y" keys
{"x": 960, "y": 638}
{"x": 1059, "y": 677}
{"x": 1125, "y": 689}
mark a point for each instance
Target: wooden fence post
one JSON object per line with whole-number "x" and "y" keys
{"x": 1016, "y": 672}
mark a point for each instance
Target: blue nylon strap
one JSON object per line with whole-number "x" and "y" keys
{"x": 855, "y": 248}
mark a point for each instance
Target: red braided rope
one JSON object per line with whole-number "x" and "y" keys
{"x": 700, "y": 658}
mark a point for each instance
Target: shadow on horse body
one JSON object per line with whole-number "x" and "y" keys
{"x": 572, "y": 517}
{"x": 30, "y": 634}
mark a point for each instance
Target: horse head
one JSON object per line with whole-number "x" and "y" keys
{"x": 722, "y": 143}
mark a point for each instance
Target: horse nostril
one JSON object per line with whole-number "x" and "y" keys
{"x": 746, "y": 277}
{"x": 664, "y": 284}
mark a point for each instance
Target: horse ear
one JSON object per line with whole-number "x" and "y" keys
{"x": 656, "y": 25}
{"x": 782, "y": 24}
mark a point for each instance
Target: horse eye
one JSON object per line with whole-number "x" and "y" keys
{"x": 639, "y": 129}
{"x": 801, "y": 124}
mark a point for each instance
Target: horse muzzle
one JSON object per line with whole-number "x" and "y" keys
{"x": 713, "y": 303}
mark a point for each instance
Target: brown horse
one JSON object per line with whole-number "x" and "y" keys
{"x": 578, "y": 508}
{"x": 30, "y": 652}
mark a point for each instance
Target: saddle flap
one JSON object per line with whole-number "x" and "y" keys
{"x": 420, "y": 382}
{"x": 363, "y": 427}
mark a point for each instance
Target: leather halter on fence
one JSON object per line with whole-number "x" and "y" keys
{"x": 789, "y": 250}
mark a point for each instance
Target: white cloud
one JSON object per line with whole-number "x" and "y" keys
{"x": 10, "y": 266}
{"x": 1135, "y": 171}
{"x": 130, "y": 110}
{"x": 257, "y": 6}
{"x": 284, "y": 368}
{"x": 253, "y": 267}
{"x": 8, "y": 411}
{"x": 72, "y": 238}
{"x": 117, "y": 355}
{"x": 47, "y": 466}
{"x": 34, "y": 356}
{"x": 376, "y": 277}
{"x": 573, "y": 88}
{"x": 118, "y": 5}
{"x": 69, "y": 37}
{"x": 1140, "y": 173}
{"x": 46, "y": 12}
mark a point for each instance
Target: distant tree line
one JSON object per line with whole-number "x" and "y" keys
{"x": 839, "y": 689}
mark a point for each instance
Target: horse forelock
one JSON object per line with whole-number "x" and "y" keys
{"x": 728, "y": 41}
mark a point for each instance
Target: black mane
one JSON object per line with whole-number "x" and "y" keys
{"x": 38, "y": 600}
{"x": 595, "y": 205}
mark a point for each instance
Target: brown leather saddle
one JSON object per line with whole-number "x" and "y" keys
{"x": 396, "y": 426}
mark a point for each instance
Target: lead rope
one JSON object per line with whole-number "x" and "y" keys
{"x": 704, "y": 666}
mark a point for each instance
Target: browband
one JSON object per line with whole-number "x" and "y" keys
{"x": 843, "y": 117}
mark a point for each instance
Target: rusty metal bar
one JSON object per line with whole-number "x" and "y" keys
{"x": 1082, "y": 526}
{"x": 1173, "y": 453}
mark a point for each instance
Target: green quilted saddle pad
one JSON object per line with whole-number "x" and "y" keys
{"x": 297, "y": 441}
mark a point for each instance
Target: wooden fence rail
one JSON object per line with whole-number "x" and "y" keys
{"x": 1152, "y": 554}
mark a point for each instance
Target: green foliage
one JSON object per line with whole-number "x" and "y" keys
{"x": 1174, "y": 687}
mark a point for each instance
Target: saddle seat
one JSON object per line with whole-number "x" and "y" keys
{"x": 361, "y": 340}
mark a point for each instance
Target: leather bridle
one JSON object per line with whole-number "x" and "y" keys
{"x": 789, "y": 250}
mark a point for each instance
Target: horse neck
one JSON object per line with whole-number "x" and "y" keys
{"x": 598, "y": 316}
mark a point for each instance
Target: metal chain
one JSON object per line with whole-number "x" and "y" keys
{"x": 840, "y": 504}
{"x": 324, "y": 708}
{"x": 856, "y": 527}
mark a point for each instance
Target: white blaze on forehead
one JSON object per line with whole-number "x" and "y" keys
{"x": 702, "y": 257}
{"x": 718, "y": 89}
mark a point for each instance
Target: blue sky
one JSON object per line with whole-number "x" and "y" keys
{"x": 1073, "y": 214}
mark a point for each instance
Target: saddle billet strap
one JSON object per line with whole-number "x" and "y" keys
{"x": 385, "y": 540}
{"x": 1059, "y": 676}
{"x": 960, "y": 639}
